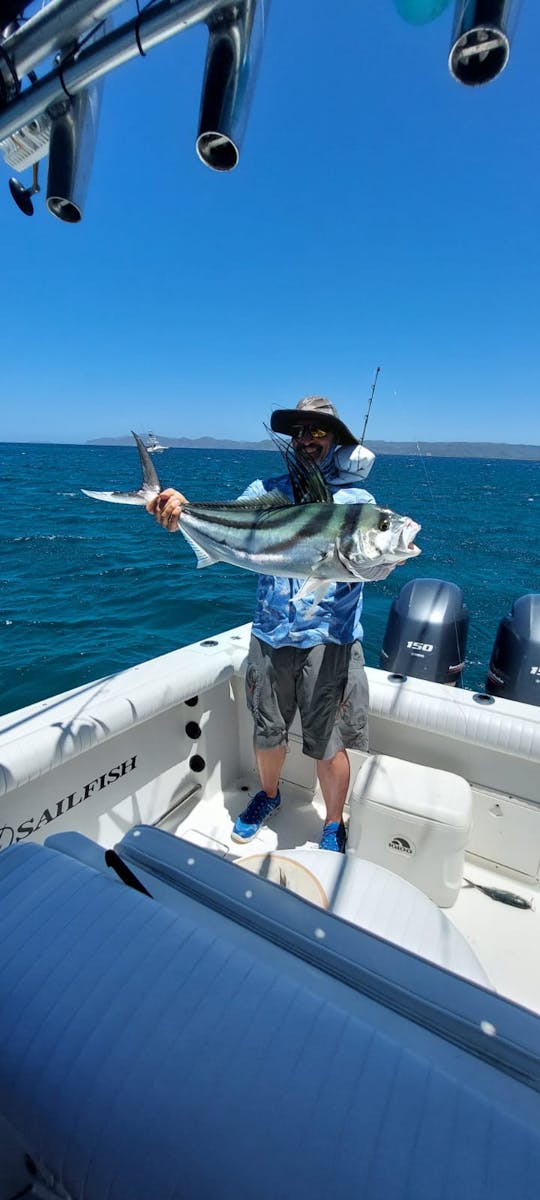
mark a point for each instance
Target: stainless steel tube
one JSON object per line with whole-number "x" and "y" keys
{"x": 152, "y": 26}
{"x": 235, "y": 43}
{"x": 61, "y": 22}
{"x": 480, "y": 41}
{"x": 71, "y": 154}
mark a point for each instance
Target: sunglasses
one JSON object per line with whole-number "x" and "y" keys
{"x": 300, "y": 431}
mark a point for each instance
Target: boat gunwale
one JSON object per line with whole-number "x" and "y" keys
{"x": 55, "y": 731}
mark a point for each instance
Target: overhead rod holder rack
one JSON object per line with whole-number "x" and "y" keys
{"x": 41, "y": 35}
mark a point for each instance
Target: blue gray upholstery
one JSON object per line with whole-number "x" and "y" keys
{"x": 152, "y": 1054}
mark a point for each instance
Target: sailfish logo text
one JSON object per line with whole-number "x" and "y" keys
{"x": 31, "y": 825}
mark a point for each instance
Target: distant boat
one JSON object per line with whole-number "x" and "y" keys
{"x": 153, "y": 445}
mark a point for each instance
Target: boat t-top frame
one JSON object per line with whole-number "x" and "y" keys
{"x": 74, "y": 42}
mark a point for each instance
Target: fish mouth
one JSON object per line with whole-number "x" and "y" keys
{"x": 405, "y": 546}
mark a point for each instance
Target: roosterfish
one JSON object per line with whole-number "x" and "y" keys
{"x": 312, "y": 539}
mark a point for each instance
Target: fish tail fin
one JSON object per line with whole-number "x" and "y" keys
{"x": 150, "y": 484}
{"x": 150, "y": 477}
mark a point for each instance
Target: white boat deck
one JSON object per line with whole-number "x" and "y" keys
{"x": 501, "y": 936}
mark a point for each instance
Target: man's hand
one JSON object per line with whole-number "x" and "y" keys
{"x": 166, "y": 508}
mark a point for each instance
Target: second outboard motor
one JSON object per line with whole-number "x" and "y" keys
{"x": 426, "y": 633}
{"x": 514, "y": 670}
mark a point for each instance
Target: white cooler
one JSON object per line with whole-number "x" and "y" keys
{"x": 413, "y": 820}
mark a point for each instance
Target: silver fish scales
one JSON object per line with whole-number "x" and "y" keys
{"x": 317, "y": 541}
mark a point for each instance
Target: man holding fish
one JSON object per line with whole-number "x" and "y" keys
{"x": 306, "y": 642}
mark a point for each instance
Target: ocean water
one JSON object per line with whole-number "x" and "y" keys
{"x": 87, "y": 589}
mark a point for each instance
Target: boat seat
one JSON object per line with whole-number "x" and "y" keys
{"x": 78, "y": 846}
{"x": 359, "y": 891}
{"x": 375, "y": 899}
{"x": 137, "y": 1042}
{"x": 156, "y": 872}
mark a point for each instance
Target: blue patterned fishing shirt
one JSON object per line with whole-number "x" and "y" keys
{"x": 336, "y": 618}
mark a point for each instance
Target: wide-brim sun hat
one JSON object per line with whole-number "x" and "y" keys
{"x": 320, "y": 411}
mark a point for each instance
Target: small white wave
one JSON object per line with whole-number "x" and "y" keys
{"x": 36, "y": 537}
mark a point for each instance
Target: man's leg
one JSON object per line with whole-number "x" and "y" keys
{"x": 266, "y": 676}
{"x": 265, "y": 802}
{"x": 269, "y": 764}
{"x": 334, "y": 775}
{"x": 333, "y": 705}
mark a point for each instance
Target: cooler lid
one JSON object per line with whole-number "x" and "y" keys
{"x": 412, "y": 788}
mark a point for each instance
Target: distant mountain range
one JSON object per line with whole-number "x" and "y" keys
{"x": 435, "y": 449}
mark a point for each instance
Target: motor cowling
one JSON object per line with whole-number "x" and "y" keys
{"x": 426, "y": 632}
{"x": 514, "y": 669}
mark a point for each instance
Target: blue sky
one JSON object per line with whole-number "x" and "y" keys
{"x": 381, "y": 215}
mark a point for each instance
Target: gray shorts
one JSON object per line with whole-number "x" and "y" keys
{"x": 327, "y": 683}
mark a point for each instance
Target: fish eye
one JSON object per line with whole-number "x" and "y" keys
{"x": 384, "y": 523}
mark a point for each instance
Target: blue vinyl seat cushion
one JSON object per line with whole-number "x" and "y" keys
{"x": 147, "y": 1056}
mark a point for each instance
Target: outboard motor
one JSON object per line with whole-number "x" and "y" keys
{"x": 514, "y": 670}
{"x": 426, "y": 633}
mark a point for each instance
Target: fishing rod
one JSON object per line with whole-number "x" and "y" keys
{"x": 366, "y": 418}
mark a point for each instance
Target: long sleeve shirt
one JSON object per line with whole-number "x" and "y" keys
{"x": 336, "y": 618}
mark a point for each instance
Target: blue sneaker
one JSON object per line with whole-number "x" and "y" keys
{"x": 257, "y": 812}
{"x": 333, "y": 837}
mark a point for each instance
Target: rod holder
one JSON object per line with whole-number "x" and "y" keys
{"x": 71, "y": 155}
{"x": 480, "y": 41}
{"x": 235, "y": 38}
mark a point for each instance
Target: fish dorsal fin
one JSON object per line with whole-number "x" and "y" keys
{"x": 308, "y": 484}
{"x": 273, "y": 499}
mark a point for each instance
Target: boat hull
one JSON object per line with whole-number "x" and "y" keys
{"x": 98, "y": 973}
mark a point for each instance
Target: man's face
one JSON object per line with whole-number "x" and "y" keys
{"x": 313, "y": 439}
